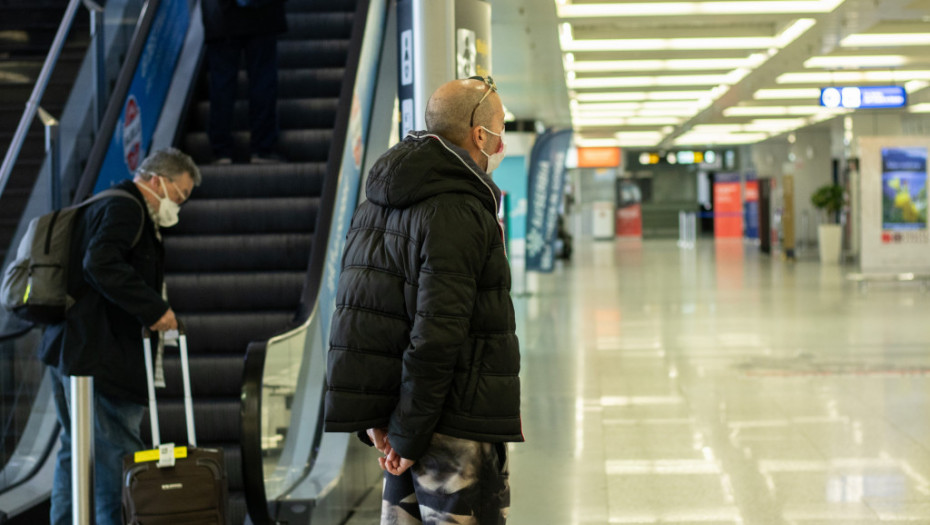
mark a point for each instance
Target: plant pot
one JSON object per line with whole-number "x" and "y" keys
{"x": 830, "y": 240}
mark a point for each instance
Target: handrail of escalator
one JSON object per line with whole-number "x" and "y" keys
{"x": 251, "y": 410}
{"x": 32, "y": 105}
{"x": 115, "y": 104}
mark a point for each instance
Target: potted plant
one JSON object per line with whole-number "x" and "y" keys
{"x": 829, "y": 200}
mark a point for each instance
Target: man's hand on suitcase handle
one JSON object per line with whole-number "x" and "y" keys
{"x": 167, "y": 322}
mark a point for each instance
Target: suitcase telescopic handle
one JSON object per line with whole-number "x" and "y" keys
{"x": 186, "y": 380}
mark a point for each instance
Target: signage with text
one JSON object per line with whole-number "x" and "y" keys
{"x": 863, "y": 97}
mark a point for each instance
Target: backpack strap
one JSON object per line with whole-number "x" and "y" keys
{"x": 116, "y": 192}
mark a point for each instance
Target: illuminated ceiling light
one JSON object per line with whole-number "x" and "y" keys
{"x": 582, "y": 142}
{"x": 619, "y": 96}
{"x": 919, "y": 108}
{"x": 634, "y": 9}
{"x": 775, "y": 94}
{"x": 771, "y": 111}
{"x": 834, "y": 77}
{"x": 649, "y": 104}
{"x": 793, "y": 32}
{"x": 915, "y": 85}
{"x": 661, "y": 65}
{"x": 697, "y": 139}
{"x": 856, "y": 62}
{"x": 646, "y": 81}
{"x": 886, "y": 40}
{"x": 635, "y": 112}
{"x": 621, "y": 121}
{"x": 669, "y": 44}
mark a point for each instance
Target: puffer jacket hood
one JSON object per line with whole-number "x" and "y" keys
{"x": 424, "y": 165}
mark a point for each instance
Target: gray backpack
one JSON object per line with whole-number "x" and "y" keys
{"x": 35, "y": 284}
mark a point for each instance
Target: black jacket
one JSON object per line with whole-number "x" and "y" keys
{"x": 117, "y": 290}
{"x": 224, "y": 19}
{"x": 423, "y": 337}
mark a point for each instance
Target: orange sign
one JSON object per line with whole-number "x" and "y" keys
{"x": 598, "y": 157}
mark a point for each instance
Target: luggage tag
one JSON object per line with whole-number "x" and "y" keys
{"x": 165, "y": 455}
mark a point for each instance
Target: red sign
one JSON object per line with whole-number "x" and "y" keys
{"x": 630, "y": 221}
{"x": 728, "y": 210}
{"x": 132, "y": 134}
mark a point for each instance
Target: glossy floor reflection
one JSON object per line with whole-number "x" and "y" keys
{"x": 718, "y": 386}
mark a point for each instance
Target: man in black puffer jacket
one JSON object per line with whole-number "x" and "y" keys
{"x": 423, "y": 358}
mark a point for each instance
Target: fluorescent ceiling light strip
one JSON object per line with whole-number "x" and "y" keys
{"x": 622, "y": 96}
{"x": 886, "y": 40}
{"x": 583, "y": 142}
{"x": 919, "y": 108}
{"x": 843, "y": 77}
{"x": 915, "y": 85}
{"x": 793, "y": 32}
{"x": 647, "y": 81}
{"x": 767, "y": 111}
{"x": 856, "y": 62}
{"x": 629, "y": 121}
{"x": 641, "y": 112}
{"x": 696, "y": 8}
{"x": 721, "y": 138}
{"x": 776, "y": 94}
{"x": 593, "y": 66}
{"x": 669, "y": 44}
{"x": 649, "y": 104}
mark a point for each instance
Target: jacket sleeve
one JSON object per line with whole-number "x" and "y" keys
{"x": 451, "y": 257}
{"x": 114, "y": 223}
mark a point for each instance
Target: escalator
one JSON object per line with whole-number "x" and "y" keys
{"x": 237, "y": 261}
{"x": 246, "y": 260}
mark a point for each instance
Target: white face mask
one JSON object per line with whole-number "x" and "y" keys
{"x": 167, "y": 215}
{"x": 494, "y": 159}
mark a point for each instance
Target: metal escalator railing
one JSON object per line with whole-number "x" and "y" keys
{"x": 32, "y": 106}
{"x": 32, "y": 412}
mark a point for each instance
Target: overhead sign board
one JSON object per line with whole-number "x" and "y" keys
{"x": 863, "y": 97}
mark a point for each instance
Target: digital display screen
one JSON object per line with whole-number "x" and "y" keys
{"x": 904, "y": 188}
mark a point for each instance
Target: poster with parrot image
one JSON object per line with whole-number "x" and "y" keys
{"x": 904, "y": 188}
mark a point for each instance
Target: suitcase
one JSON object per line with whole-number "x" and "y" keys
{"x": 174, "y": 485}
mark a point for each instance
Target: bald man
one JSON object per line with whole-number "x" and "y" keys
{"x": 423, "y": 359}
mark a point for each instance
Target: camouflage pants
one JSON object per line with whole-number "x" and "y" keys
{"x": 458, "y": 482}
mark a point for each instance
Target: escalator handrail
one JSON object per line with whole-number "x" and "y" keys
{"x": 32, "y": 105}
{"x": 114, "y": 109}
{"x": 253, "y": 373}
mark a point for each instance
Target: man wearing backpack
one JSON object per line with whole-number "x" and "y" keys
{"x": 116, "y": 276}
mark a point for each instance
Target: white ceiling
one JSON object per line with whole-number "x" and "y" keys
{"x": 661, "y": 73}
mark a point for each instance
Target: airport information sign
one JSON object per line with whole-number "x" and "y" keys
{"x": 863, "y": 97}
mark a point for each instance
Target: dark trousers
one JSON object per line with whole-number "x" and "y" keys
{"x": 116, "y": 433}
{"x": 457, "y": 481}
{"x": 261, "y": 60}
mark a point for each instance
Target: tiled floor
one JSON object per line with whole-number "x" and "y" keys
{"x": 717, "y": 386}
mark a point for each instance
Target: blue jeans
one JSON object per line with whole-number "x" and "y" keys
{"x": 116, "y": 433}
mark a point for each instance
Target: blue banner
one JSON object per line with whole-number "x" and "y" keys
{"x": 146, "y": 97}
{"x": 544, "y": 195}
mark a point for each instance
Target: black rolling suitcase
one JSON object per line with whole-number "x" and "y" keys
{"x": 174, "y": 485}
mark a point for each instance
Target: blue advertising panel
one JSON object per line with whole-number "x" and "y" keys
{"x": 904, "y": 188}
{"x": 147, "y": 93}
{"x": 510, "y": 177}
{"x": 544, "y": 195}
{"x": 863, "y": 97}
